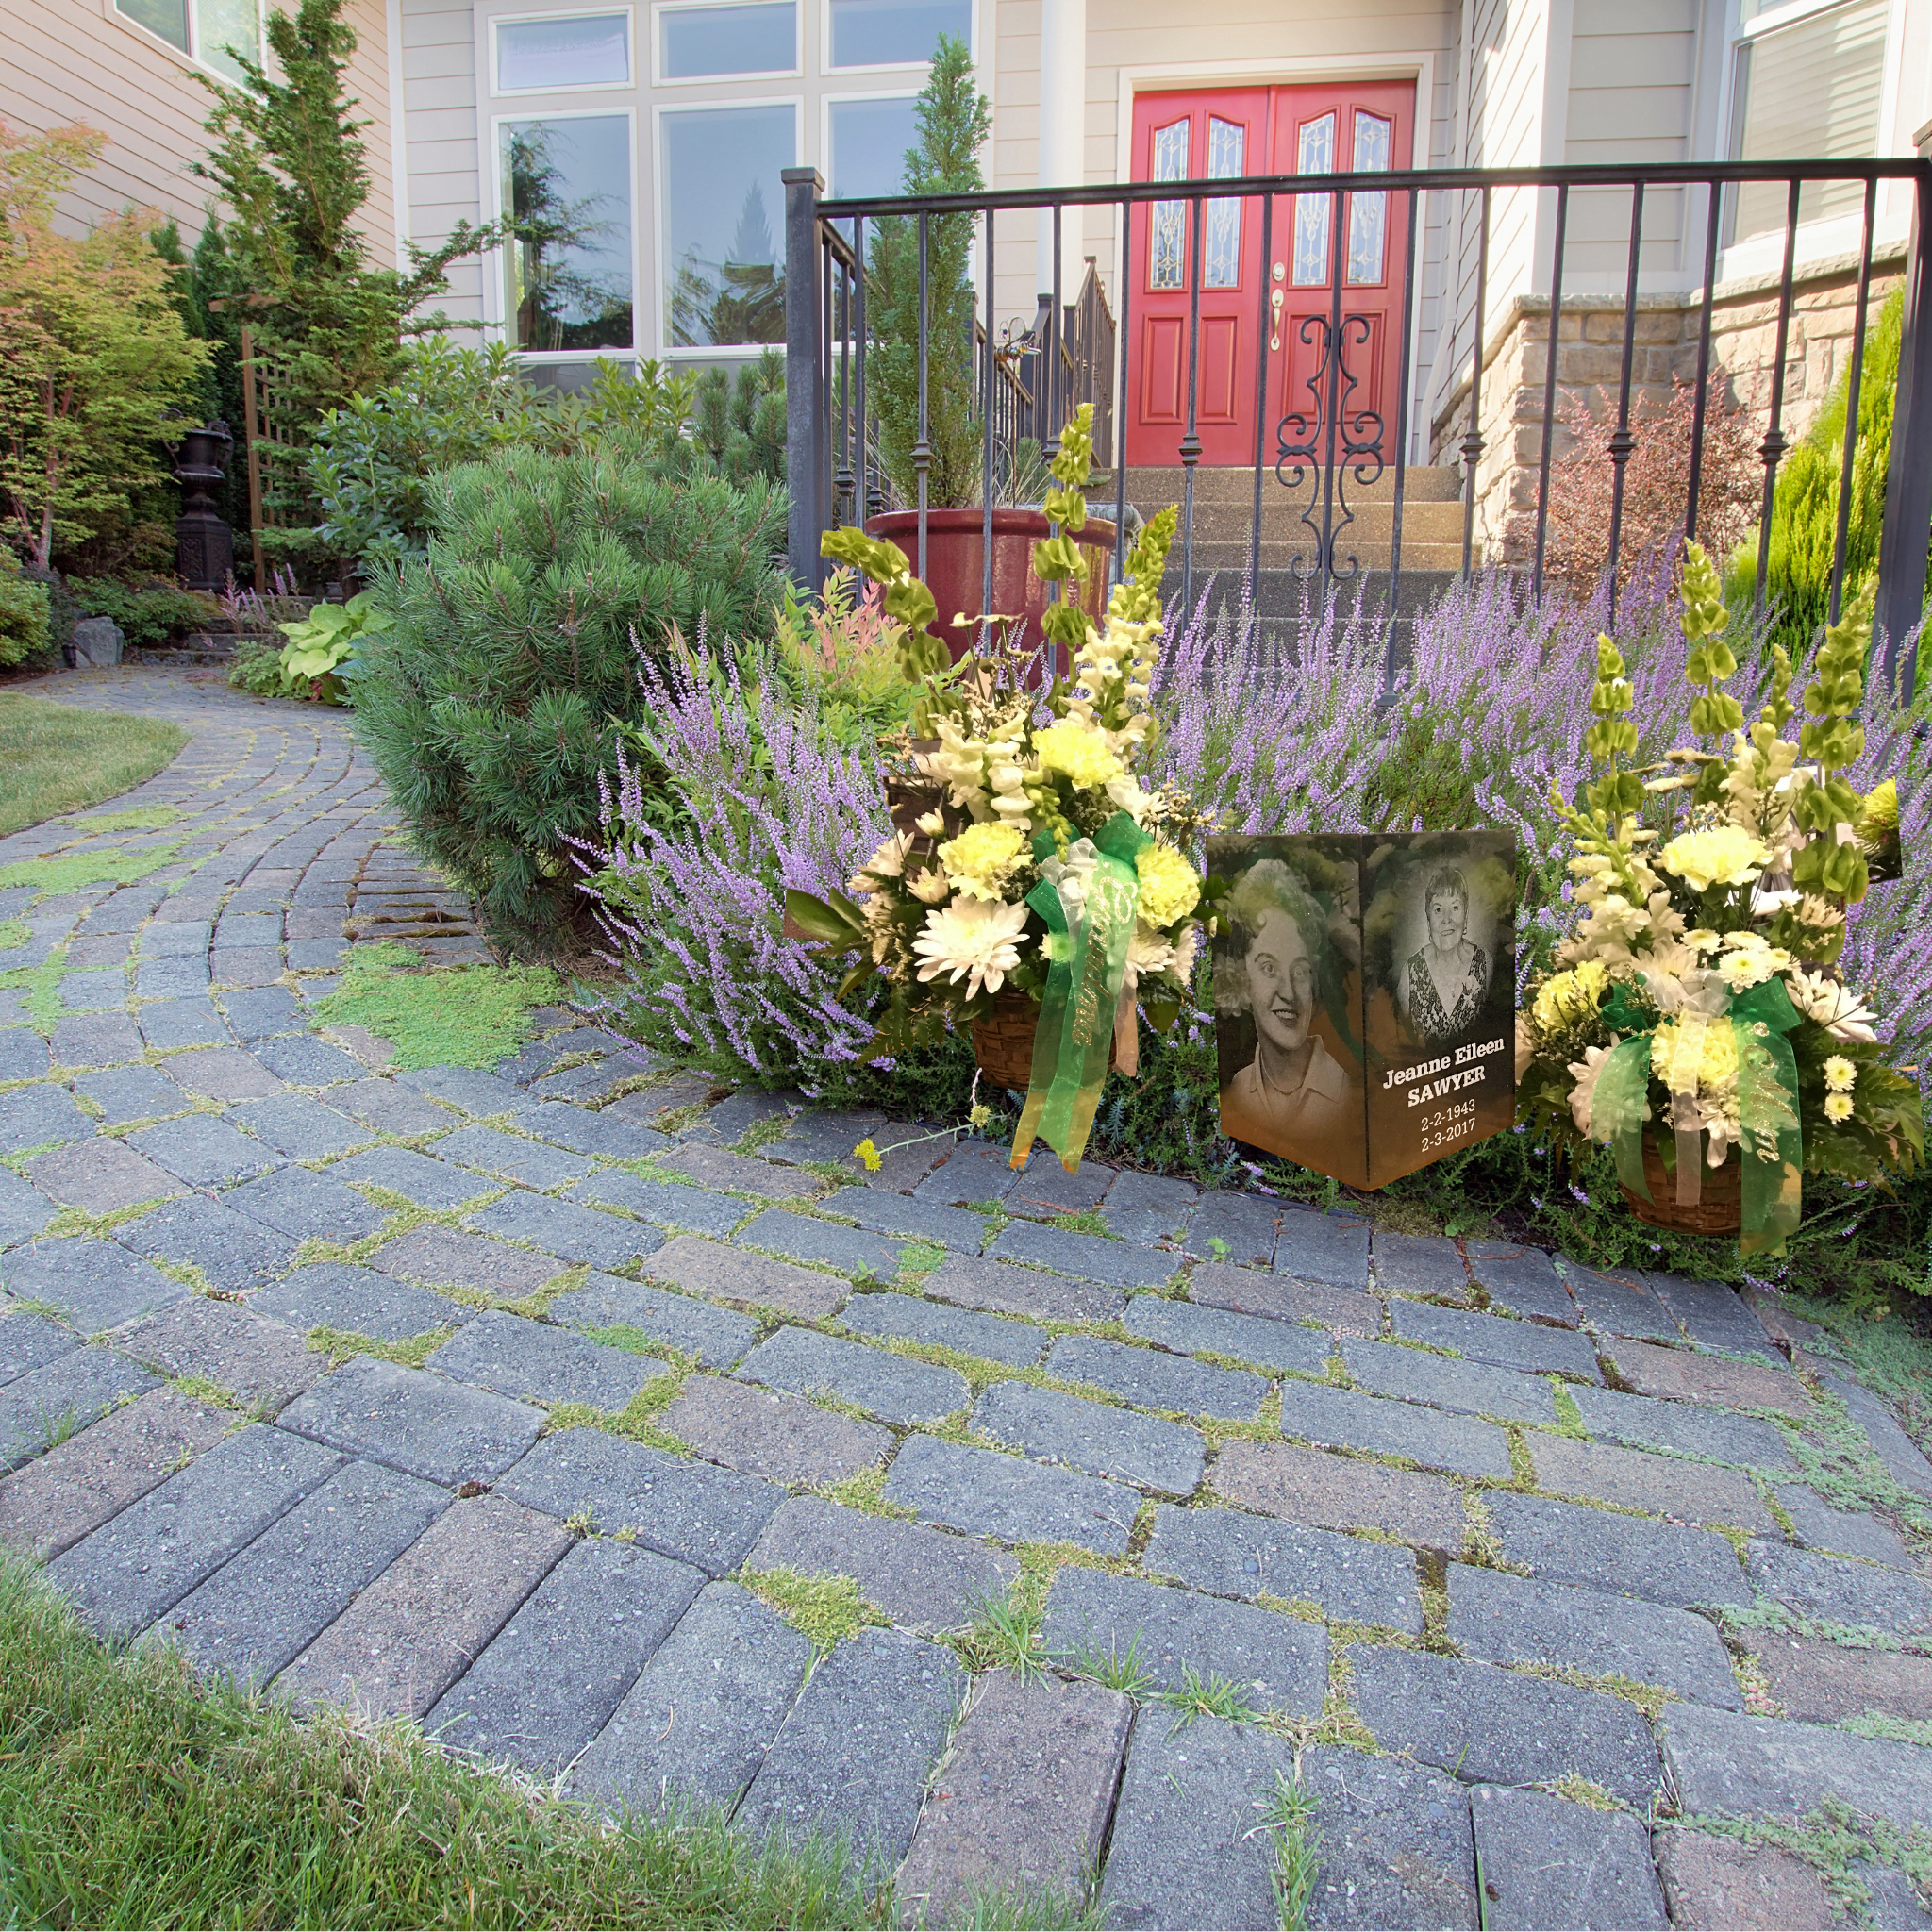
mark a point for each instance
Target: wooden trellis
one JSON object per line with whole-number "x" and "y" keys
{"x": 272, "y": 458}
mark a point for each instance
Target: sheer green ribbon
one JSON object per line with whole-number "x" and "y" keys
{"x": 1088, "y": 937}
{"x": 1773, "y": 1139}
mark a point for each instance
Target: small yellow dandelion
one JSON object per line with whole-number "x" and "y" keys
{"x": 869, "y": 1155}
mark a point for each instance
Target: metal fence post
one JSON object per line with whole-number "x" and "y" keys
{"x": 804, "y": 431}
{"x": 1908, "y": 481}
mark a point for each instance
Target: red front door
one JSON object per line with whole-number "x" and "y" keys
{"x": 1219, "y": 133}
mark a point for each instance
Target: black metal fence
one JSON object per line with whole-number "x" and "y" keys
{"x": 1335, "y": 468}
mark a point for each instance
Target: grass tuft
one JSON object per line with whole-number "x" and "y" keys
{"x": 459, "y": 1016}
{"x": 1291, "y": 1822}
{"x": 827, "y": 1607}
{"x": 341, "y": 1344}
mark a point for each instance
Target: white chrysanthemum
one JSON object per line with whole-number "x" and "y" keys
{"x": 1838, "y": 1109}
{"x": 887, "y": 862}
{"x": 1751, "y": 966}
{"x": 1184, "y": 950}
{"x": 930, "y": 886}
{"x": 971, "y": 940}
{"x": 1841, "y": 1076}
{"x": 1128, "y": 795}
{"x": 1586, "y": 1073}
{"x": 1834, "y": 1007}
{"x": 1148, "y": 953}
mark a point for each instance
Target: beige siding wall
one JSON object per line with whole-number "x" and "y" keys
{"x": 440, "y": 146}
{"x": 67, "y": 60}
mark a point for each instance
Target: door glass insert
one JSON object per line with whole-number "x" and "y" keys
{"x": 1367, "y": 214}
{"x": 1169, "y": 222}
{"x": 566, "y": 199}
{"x": 1221, "y": 237}
{"x": 1314, "y": 153}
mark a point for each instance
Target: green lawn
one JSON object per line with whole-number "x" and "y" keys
{"x": 131, "y": 1796}
{"x": 57, "y": 758}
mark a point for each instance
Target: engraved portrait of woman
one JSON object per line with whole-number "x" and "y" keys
{"x": 1441, "y": 985}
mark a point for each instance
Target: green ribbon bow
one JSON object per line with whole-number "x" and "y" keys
{"x": 1087, "y": 944}
{"x": 1773, "y": 1139}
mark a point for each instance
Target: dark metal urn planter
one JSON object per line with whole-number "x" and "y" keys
{"x": 203, "y": 544}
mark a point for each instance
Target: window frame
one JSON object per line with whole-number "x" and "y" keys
{"x": 191, "y": 53}
{"x": 497, "y": 287}
{"x": 626, "y": 12}
{"x": 667, "y": 350}
{"x": 660, "y": 79}
{"x": 973, "y": 42}
{"x": 828, "y": 101}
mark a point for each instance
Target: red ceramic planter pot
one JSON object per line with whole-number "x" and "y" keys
{"x": 955, "y": 566}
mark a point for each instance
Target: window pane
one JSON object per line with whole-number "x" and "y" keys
{"x": 220, "y": 25}
{"x": 729, "y": 40}
{"x": 1164, "y": 270}
{"x": 592, "y": 50}
{"x": 880, "y": 33}
{"x": 869, "y": 143}
{"x": 721, "y": 187}
{"x": 1221, "y": 237}
{"x": 168, "y": 18}
{"x": 566, "y": 188}
{"x": 1314, "y": 153}
{"x": 1367, "y": 214}
{"x": 1810, "y": 89}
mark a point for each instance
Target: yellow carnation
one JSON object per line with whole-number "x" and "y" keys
{"x": 1170, "y": 887}
{"x": 1570, "y": 998}
{"x": 1079, "y": 753}
{"x": 1717, "y": 1064}
{"x": 1724, "y": 856}
{"x": 981, "y": 858}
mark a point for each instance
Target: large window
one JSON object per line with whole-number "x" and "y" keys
{"x": 561, "y": 51}
{"x": 567, "y": 198}
{"x": 203, "y": 29}
{"x": 893, "y": 33}
{"x": 695, "y": 43}
{"x": 722, "y": 217}
{"x": 1807, "y": 86}
{"x": 867, "y": 140}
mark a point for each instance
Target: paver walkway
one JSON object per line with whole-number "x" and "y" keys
{"x": 1533, "y": 1575}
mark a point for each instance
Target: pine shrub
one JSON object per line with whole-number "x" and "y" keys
{"x": 494, "y": 706}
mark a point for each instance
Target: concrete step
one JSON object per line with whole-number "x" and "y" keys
{"x": 1370, "y": 523}
{"x": 1149, "y": 488}
{"x": 1279, "y": 595}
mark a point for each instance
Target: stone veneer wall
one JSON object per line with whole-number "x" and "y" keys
{"x": 1590, "y": 342}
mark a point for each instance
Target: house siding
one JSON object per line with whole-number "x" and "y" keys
{"x": 63, "y": 61}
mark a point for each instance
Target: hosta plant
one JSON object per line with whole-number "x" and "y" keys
{"x": 1027, "y": 856}
{"x": 322, "y": 647}
{"x": 1698, "y": 1004}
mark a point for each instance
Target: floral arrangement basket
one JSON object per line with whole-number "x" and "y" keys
{"x": 1697, "y": 1025}
{"x": 1033, "y": 889}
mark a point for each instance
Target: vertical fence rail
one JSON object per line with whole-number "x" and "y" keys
{"x": 1450, "y": 408}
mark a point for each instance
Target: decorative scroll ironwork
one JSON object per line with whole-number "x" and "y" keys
{"x": 1330, "y": 440}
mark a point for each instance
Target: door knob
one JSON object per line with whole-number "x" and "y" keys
{"x": 1276, "y": 300}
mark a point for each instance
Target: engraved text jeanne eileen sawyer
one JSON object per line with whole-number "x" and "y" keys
{"x": 1423, "y": 1081}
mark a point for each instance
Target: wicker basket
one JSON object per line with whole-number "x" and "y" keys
{"x": 1003, "y": 1041}
{"x": 1721, "y": 1209}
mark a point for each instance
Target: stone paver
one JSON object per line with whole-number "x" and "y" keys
{"x": 702, "y": 1516}
{"x": 893, "y": 1387}
{"x": 985, "y": 1494}
{"x": 1341, "y": 1418}
{"x": 1248, "y": 1291}
{"x": 717, "y": 1336}
{"x": 49, "y": 1504}
{"x": 535, "y": 1361}
{"x": 1232, "y": 1553}
{"x": 1566, "y": 1543}
{"x": 704, "y": 1712}
{"x": 1491, "y": 1725}
{"x": 1761, "y": 1766}
{"x": 519, "y": 1638}
{"x": 1187, "y": 1329}
{"x": 412, "y": 1632}
{"x": 994, "y": 1337}
{"x": 416, "y": 1422}
{"x": 550, "y": 1678}
{"x": 1340, "y": 1492}
{"x": 1522, "y": 1620}
{"x": 782, "y": 1438}
{"x": 1024, "y": 1797}
{"x": 852, "y": 1753}
{"x": 919, "y": 1577}
{"x": 135, "y": 1567}
{"x": 263, "y": 1607}
{"x": 1546, "y": 1861}
{"x": 1053, "y": 1427}
{"x": 1095, "y": 1621}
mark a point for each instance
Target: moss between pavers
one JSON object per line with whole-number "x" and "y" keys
{"x": 114, "y": 866}
{"x": 827, "y": 1606}
{"x": 456, "y": 1016}
{"x": 1833, "y": 1840}
{"x": 343, "y": 1344}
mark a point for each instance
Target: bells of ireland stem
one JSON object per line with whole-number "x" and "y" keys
{"x": 907, "y": 601}
{"x": 1714, "y": 713}
{"x": 1613, "y": 736}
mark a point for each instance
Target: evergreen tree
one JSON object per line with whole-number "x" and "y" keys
{"x": 954, "y": 120}
{"x": 493, "y": 705}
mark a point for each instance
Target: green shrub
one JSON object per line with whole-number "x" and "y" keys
{"x": 257, "y": 667}
{"x": 26, "y": 618}
{"x": 737, "y": 428}
{"x": 493, "y": 707}
{"x": 149, "y": 614}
